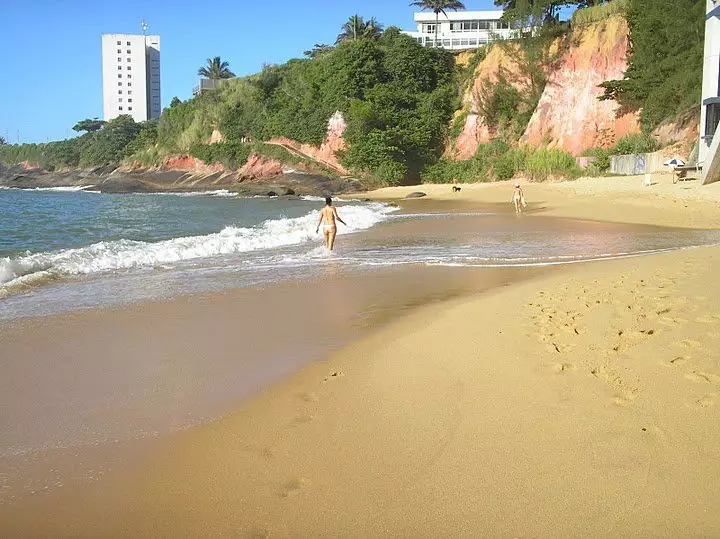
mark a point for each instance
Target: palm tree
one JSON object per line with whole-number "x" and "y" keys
{"x": 353, "y": 29}
{"x": 357, "y": 28}
{"x": 373, "y": 29}
{"x": 216, "y": 69}
{"x": 438, "y": 6}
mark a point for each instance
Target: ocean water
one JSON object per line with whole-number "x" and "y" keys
{"x": 68, "y": 248}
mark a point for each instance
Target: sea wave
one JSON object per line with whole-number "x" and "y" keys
{"x": 107, "y": 256}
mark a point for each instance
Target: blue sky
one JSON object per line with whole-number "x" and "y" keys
{"x": 50, "y": 54}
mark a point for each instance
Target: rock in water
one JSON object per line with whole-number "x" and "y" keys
{"x": 415, "y": 194}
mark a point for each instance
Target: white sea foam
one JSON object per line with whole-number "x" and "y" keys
{"x": 127, "y": 254}
{"x": 215, "y": 193}
{"x": 67, "y": 188}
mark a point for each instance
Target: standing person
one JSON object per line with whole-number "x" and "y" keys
{"x": 518, "y": 198}
{"x": 328, "y": 215}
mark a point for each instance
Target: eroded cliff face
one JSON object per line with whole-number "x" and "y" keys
{"x": 475, "y": 130}
{"x": 325, "y": 154}
{"x": 569, "y": 115}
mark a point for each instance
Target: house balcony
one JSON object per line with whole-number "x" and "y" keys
{"x": 463, "y": 40}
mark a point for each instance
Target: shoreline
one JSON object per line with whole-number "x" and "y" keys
{"x": 443, "y": 421}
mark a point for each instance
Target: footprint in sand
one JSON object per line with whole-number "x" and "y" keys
{"x": 690, "y": 344}
{"x": 623, "y": 399}
{"x": 308, "y": 397}
{"x": 303, "y": 419}
{"x": 334, "y": 375}
{"x": 705, "y": 402}
{"x": 703, "y": 378}
{"x": 677, "y": 361}
{"x": 291, "y": 488}
{"x": 708, "y": 319}
{"x": 562, "y": 368}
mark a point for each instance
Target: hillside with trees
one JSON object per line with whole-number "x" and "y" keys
{"x": 405, "y": 105}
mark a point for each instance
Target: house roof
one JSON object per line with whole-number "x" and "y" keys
{"x": 429, "y": 16}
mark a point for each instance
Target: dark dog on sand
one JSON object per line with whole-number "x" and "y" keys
{"x": 456, "y": 188}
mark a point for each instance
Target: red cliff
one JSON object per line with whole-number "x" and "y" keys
{"x": 569, "y": 115}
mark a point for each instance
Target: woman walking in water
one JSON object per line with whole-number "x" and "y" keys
{"x": 518, "y": 198}
{"x": 328, "y": 216}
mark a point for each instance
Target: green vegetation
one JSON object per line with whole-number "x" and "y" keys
{"x": 216, "y": 69}
{"x": 664, "y": 74}
{"x": 597, "y": 13}
{"x": 89, "y": 125}
{"x": 496, "y": 160}
{"x": 630, "y": 144}
{"x": 398, "y": 98}
{"x": 356, "y": 28}
{"x": 115, "y": 141}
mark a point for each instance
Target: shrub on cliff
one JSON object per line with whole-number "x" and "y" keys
{"x": 496, "y": 160}
{"x": 664, "y": 73}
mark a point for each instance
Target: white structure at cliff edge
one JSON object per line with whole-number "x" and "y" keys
{"x": 131, "y": 76}
{"x": 708, "y": 154}
{"x": 461, "y": 29}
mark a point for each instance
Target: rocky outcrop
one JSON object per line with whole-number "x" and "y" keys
{"x": 569, "y": 115}
{"x": 325, "y": 154}
{"x": 475, "y": 131}
{"x": 680, "y": 134}
{"x": 258, "y": 166}
{"x": 114, "y": 180}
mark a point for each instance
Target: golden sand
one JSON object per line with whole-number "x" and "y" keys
{"x": 583, "y": 402}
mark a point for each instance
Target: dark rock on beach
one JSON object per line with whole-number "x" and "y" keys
{"x": 415, "y": 194}
{"x": 116, "y": 180}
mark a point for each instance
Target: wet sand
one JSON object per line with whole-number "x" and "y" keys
{"x": 580, "y": 401}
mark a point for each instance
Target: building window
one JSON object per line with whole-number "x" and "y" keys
{"x": 119, "y": 67}
{"x": 128, "y": 43}
{"x": 119, "y": 99}
{"x": 130, "y": 100}
{"x": 128, "y": 51}
{"x": 428, "y": 28}
{"x": 119, "y": 59}
{"x": 119, "y": 91}
{"x": 119, "y": 43}
{"x": 129, "y": 76}
{"x": 119, "y": 108}
{"x": 119, "y": 75}
{"x": 119, "y": 83}
{"x": 129, "y": 68}
{"x": 129, "y": 108}
{"x": 129, "y": 83}
{"x": 129, "y": 91}
{"x": 119, "y": 51}
{"x": 128, "y": 59}
{"x": 712, "y": 120}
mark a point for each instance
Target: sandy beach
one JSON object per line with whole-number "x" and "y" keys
{"x": 580, "y": 400}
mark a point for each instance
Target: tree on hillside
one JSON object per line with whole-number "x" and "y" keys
{"x": 357, "y": 28}
{"x": 2, "y": 141}
{"x": 89, "y": 125}
{"x": 175, "y": 101}
{"x": 318, "y": 50}
{"x": 216, "y": 69}
{"x": 664, "y": 74}
{"x": 438, "y": 7}
{"x": 538, "y": 10}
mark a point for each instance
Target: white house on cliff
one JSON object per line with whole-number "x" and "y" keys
{"x": 460, "y": 30}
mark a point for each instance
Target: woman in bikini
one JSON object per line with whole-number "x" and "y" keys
{"x": 518, "y": 198}
{"x": 328, "y": 216}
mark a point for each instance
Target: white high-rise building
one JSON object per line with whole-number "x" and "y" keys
{"x": 131, "y": 76}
